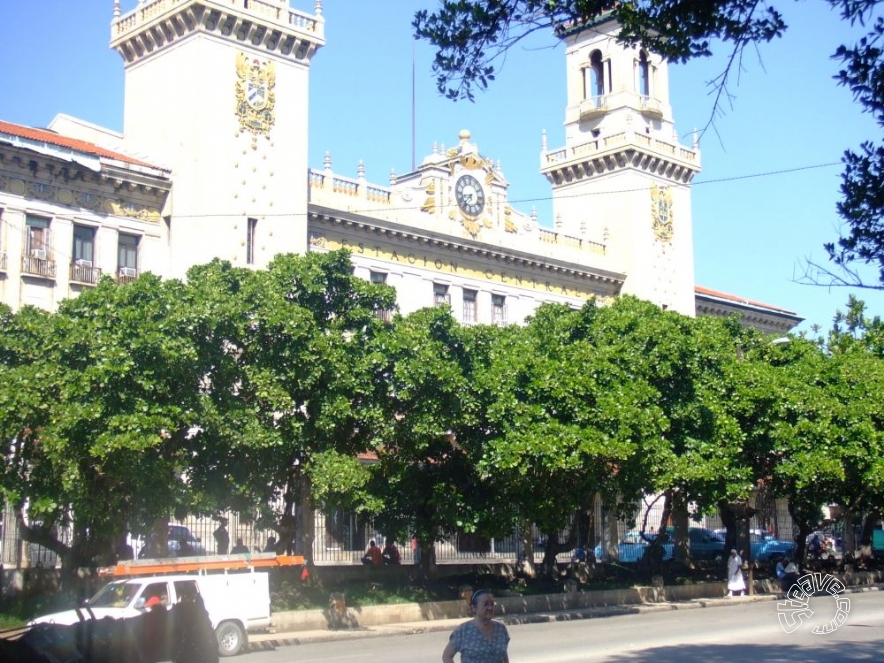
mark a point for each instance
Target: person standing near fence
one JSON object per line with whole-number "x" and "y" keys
{"x": 735, "y": 582}
{"x": 222, "y": 537}
{"x": 480, "y": 640}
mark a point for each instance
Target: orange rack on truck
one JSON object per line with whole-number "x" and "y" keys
{"x": 191, "y": 564}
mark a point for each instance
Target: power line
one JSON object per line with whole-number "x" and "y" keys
{"x": 410, "y": 208}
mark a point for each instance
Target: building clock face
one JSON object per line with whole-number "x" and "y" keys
{"x": 470, "y": 195}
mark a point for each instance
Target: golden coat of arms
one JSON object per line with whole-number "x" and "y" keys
{"x": 255, "y": 98}
{"x": 661, "y": 212}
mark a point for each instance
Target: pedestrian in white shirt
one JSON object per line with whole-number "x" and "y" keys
{"x": 735, "y": 582}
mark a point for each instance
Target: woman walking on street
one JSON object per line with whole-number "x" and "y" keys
{"x": 480, "y": 640}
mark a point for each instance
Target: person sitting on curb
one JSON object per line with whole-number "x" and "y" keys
{"x": 239, "y": 548}
{"x": 391, "y": 553}
{"x": 373, "y": 555}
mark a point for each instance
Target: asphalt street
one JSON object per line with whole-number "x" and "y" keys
{"x": 738, "y": 631}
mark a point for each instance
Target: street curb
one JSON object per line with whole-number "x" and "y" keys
{"x": 269, "y": 642}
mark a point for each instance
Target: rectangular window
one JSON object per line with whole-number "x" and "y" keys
{"x": 127, "y": 256}
{"x": 470, "y": 312}
{"x": 38, "y": 237}
{"x": 380, "y": 278}
{"x": 83, "y": 256}
{"x": 440, "y": 294}
{"x": 498, "y": 309}
{"x": 251, "y": 226}
{"x": 84, "y": 246}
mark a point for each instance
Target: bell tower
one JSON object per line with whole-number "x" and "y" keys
{"x": 216, "y": 91}
{"x": 622, "y": 178}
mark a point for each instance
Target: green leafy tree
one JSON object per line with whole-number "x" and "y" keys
{"x": 425, "y": 479}
{"x": 792, "y": 425}
{"x": 301, "y": 381}
{"x": 856, "y": 344}
{"x": 562, "y": 424}
{"x": 28, "y": 388}
{"x": 123, "y": 422}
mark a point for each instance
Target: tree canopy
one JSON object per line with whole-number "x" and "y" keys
{"x": 270, "y": 392}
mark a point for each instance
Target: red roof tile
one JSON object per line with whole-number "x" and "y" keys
{"x": 45, "y": 136}
{"x": 700, "y": 290}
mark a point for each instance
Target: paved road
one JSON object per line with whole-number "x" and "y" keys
{"x": 744, "y": 632}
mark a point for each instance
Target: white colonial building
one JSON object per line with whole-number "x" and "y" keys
{"x": 220, "y": 170}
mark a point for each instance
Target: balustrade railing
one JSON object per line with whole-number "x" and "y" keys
{"x": 279, "y": 14}
{"x": 86, "y": 274}
{"x": 601, "y": 144}
{"x": 42, "y": 267}
{"x": 348, "y": 187}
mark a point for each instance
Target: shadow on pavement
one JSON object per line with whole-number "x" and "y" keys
{"x": 825, "y": 652}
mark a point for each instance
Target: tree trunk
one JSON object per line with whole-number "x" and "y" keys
{"x": 308, "y": 519}
{"x": 729, "y": 520}
{"x": 681, "y": 528}
{"x": 848, "y": 536}
{"x": 865, "y": 541}
{"x": 610, "y": 547}
{"x": 526, "y": 550}
{"x": 429, "y": 570}
{"x": 805, "y": 524}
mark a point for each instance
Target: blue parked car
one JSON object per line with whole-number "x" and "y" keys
{"x": 766, "y": 547}
{"x": 633, "y": 547}
{"x": 705, "y": 543}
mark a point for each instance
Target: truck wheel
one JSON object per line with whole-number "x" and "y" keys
{"x": 230, "y": 638}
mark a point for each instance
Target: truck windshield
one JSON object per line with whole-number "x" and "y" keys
{"x": 114, "y": 596}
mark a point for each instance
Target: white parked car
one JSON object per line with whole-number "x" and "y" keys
{"x": 237, "y": 603}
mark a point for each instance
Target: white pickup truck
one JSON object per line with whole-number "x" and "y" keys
{"x": 236, "y": 602}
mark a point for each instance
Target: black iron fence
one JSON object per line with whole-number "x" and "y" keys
{"x": 341, "y": 538}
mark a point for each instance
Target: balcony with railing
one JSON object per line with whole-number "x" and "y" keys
{"x": 650, "y": 106}
{"x": 384, "y": 314}
{"x": 593, "y": 106}
{"x": 126, "y": 275}
{"x": 84, "y": 273}
{"x": 38, "y": 264}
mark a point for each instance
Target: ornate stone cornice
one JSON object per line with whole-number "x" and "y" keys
{"x": 111, "y": 191}
{"x": 766, "y": 320}
{"x": 607, "y": 280}
{"x": 270, "y": 26}
{"x": 623, "y": 151}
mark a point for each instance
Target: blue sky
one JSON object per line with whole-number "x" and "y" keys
{"x": 761, "y": 206}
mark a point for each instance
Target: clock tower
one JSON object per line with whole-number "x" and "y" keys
{"x": 622, "y": 178}
{"x": 216, "y": 91}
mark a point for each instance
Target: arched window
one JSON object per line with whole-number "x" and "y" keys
{"x": 644, "y": 75}
{"x": 596, "y": 75}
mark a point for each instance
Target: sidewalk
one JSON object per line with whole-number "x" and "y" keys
{"x": 268, "y": 641}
